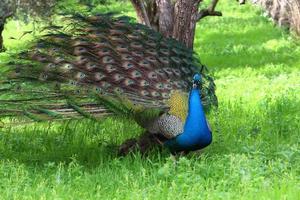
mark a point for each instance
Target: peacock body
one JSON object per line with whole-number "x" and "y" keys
{"x": 98, "y": 66}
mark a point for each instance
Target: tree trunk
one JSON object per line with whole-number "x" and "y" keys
{"x": 284, "y": 12}
{"x": 176, "y": 19}
{"x": 1, "y": 37}
{"x": 186, "y": 17}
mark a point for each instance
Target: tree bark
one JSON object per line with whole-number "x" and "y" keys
{"x": 165, "y": 13}
{"x": 1, "y": 38}
{"x": 185, "y": 21}
{"x": 139, "y": 7}
{"x": 176, "y": 19}
{"x": 2, "y": 23}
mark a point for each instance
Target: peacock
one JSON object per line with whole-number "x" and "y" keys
{"x": 104, "y": 65}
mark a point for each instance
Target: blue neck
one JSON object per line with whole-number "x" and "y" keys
{"x": 196, "y": 134}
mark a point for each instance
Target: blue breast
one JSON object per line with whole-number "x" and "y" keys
{"x": 196, "y": 134}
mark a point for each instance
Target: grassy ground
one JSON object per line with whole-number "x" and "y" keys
{"x": 256, "y": 149}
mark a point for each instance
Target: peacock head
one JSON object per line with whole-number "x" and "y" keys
{"x": 196, "y": 80}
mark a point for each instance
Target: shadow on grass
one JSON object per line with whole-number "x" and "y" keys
{"x": 89, "y": 143}
{"x": 269, "y": 128}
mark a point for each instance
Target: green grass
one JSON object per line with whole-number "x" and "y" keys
{"x": 256, "y": 149}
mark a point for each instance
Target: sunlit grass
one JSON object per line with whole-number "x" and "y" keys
{"x": 256, "y": 149}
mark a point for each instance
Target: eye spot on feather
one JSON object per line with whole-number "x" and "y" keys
{"x": 126, "y": 57}
{"x": 164, "y": 60}
{"x": 81, "y": 60}
{"x": 151, "y": 59}
{"x": 129, "y": 82}
{"x": 105, "y": 85}
{"x": 73, "y": 83}
{"x": 145, "y": 64}
{"x": 122, "y": 48}
{"x": 127, "y": 65}
{"x": 155, "y": 94}
{"x": 116, "y": 38}
{"x": 118, "y": 90}
{"x": 79, "y": 42}
{"x": 185, "y": 70}
{"x": 168, "y": 70}
{"x": 144, "y": 93}
{"x": 41, "y": 58}
{"x": 178, "y": 84}
{"x": 99, "y": 76}
{"x": 152, "y": 75}
{"x": 150, "y": 43}
{"x": 144, "y": 83}
{"x": 102, "y": 41}
{"x": 187, "y": 62}
{"x": 133, "y": 36}
{"x": 107, "y": 60}
{"x": 168, "y": 86}
{"x": 116, "y": 32}
{"x": 54, "y": 51}
{"x": 165, "y": 95}
{"x": 136, "y": 74}
{"x": 77, "y": 92}
{"x": 50, "y": 66}
{"x": 185, "y": 84}
{"x": 66, "y": 67}
{"x": 175, "y": 50}
{"x": 136, "y": 45}
{"x": 98, "y": 89}
{"x": 175, "y": 59}
{"x": 164, "y": 51}
{"x": 110, "y": 68}
{"x": 118, "y": 77}
{"x": 154, "y": 37}
{"x": 160, "y": 72}
{"x": 151, "y": 52}
{"x": 137, "y": 54}
{"x": 104, "y": 52}
{"x": 177, "y": 72}
{"x": 80, "y": 75}
{"x": 43, "y": 77}
{"x": 90, "y": 66}
{"x": 159, "y": 86}
{"x": 79, "y": 50}
{"x": 59, "y": 59}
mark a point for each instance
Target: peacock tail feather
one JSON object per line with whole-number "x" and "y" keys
{"x": 98, "y": 66}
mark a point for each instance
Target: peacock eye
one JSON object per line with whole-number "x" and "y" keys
{"x": 165, "y": 95}
{"x": 144, "y": 92}
{"x": 82, "y": 75}
{"x": 98, "y": 89}
{"x": 137, "y": 73}
{"x": 168, "y": 86}
{"x": 155, "y": 94}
